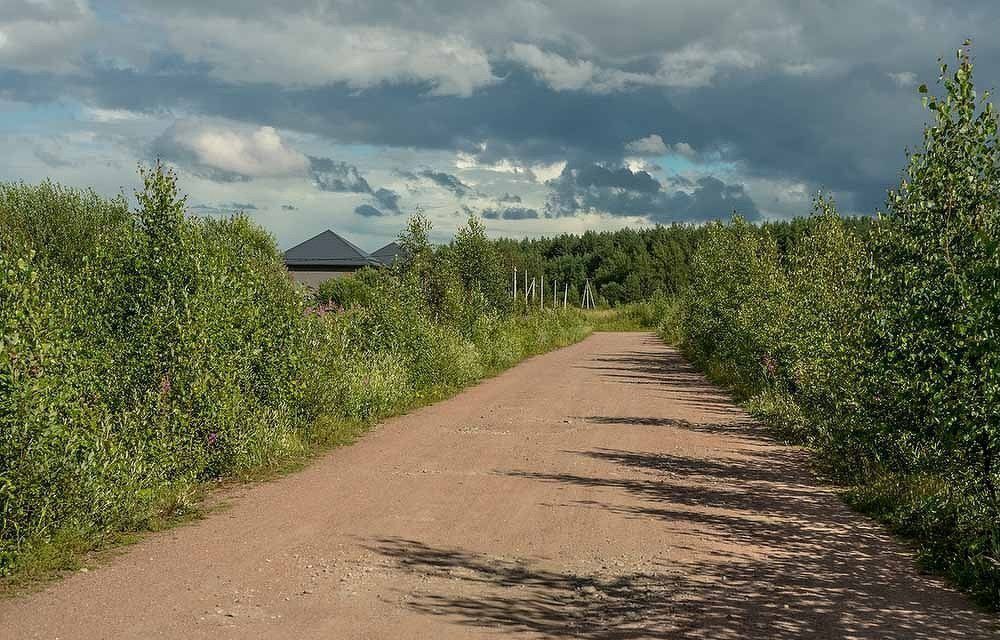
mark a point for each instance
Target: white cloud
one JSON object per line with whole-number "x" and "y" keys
{"x": 558, "y": 72}
{"x": 303, "y": 51}
{"x": 651, "y": 145}
{"x": 44, "y": 35}
{"x": 467, "y": 161}
{"x": 691, "y": 66}
{"x": 105, "y": 116}
{"x": 684, "y": 149}
{"x": 545, "y": 172}
{"x": 799, "y": 68}
{"x": 697, "y": 65}
{"x": 539, "y": 172}
{"x": 780, "y": 197}
{"x": 252, "y": 153}
{"x": 904, "y": 78}
{"x": 636, "y": 165}
{"x": 563, "y": 74}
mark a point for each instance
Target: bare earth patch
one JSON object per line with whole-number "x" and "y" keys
{"x": 605, "y": 490}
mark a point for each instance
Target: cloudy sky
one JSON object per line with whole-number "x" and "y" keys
{"x": 539, "y": 116}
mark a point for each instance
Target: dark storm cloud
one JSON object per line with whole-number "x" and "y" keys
{"x": 768, "y": 135}
{"x": 675, "y": 180}
{"x": 388, "y": 199}
{"x": 509, "y": 213}
{"x": 711, "y": 199}
{"x": 206, "y": 209}
{"x": 367, "y": 211}
{"x": 509, "y": 198}
{"x": 623, "y": 192}
{"x": 818, "y": 94}
{"x": 594, "y": 175}
{"x": 335, "y": 175}
{"x": 446, "y": 181}
{"x": 226, "y": 208}
{"x": 339, "y": 176}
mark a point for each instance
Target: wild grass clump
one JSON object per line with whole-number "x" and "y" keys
{"x": 144, "y": 351}
{"x": 881, "y": 350}
{"x": 658, "y": 313}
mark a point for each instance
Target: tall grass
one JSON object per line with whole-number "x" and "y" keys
{"x": 144, "y": 351}
{"x": 658, "y": 314}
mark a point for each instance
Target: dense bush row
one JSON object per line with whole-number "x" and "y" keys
{"x": 880, "y": 346}
{"x": 659, "y": 313}
{"x": 623, "y": 266}
{"x": 142, "y": 351}
{"x": 629, "y": 266}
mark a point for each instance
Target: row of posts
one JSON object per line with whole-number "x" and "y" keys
{"x": 586, "y": 301}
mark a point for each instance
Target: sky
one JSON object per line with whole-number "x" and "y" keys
{"x": 541, "y": 117}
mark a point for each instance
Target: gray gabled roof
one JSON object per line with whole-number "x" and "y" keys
{"x": 328, "y": 250}
{"x": 387, "y": 254}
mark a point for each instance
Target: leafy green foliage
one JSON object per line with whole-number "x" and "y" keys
{"x": 347, "y": 292}
{"x": 624, "y": 266}
{"x": 659, "y": 314}
{"x": 878, "y": 344}
{"x": 633, "y": 265}
{"x": 937, "y": 275}
{"x": 143, "y": 351}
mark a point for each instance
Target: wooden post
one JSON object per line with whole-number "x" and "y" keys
{"x": 525, "y": 286}
{"x": 588, "y": 296}
{"x": 565, "y": 294}
{"x": 541, "y": 294}
{"x": 515, "y": 283}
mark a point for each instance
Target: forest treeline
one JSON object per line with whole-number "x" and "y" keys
{"x": 631, "y": 265}
{"x": 144, "y": 351}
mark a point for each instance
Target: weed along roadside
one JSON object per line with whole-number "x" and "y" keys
{"x": 186, "y": 354}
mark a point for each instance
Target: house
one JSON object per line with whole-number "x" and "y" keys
{"x": 388, "y": 254}
{"x": 326, "y": 256}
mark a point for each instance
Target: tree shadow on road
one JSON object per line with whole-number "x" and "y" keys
{"x": 740, "y": 426}
{"x": 808, "y": 567}
{"x": 758, "y": 546}
{"x": 775, "y": 599}
{"x": 664, "y": 368}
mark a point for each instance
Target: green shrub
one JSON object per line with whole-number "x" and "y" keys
{"x": 349, "y": 291}
{"x": 878, "y": 345}
{"x": 735, "y": 308}
{"x": 144, "y": 351}
{"x": 658, "y": 313}
{"x": 939, "y": 257}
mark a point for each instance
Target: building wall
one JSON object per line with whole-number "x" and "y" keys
{"x": 312, "y": 278}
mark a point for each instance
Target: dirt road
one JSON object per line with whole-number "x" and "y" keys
{"x": 601, "y": 491}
